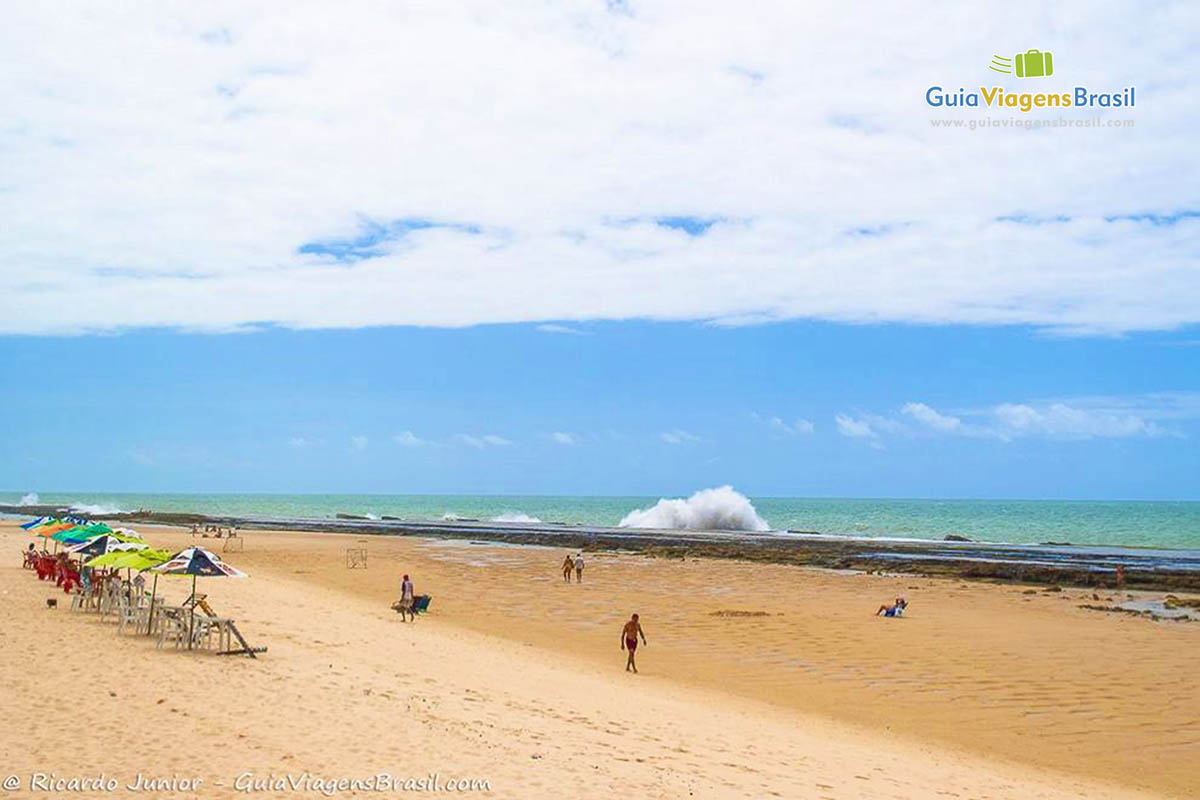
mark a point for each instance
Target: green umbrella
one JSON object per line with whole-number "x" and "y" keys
{"x": 81, "y": 533}
{"x": 140, "y": 560}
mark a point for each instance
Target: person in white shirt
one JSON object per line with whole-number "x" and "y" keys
{"x": 579, "y": 567}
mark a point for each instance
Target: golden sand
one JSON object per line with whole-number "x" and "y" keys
{"x": 981, "y": 691}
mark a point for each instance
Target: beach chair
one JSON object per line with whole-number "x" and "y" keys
{"x": 127, "y": 615}
{"x": 172, "y": 626}
{"x": 68, "y": 579}
{"x": 44, "y": 566}
{"x": 228, "y": 629}
{"x": 30, "y": 559}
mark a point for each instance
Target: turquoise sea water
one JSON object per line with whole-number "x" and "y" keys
{"x": 1137, "y": 524}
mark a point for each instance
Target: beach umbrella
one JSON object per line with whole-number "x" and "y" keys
{"x": 139, "y": 560}
{"x": 67, "y": 533}
{"x": 199, "y": 563}
{"x": 35, "y": 523}
{"x": 104, "y": 543}
{"x": 73, "y": 536}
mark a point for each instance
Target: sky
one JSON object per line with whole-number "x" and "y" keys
{"x": 597, "y": 247}
{"x": 629, "y": 408}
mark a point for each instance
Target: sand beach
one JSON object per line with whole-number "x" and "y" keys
{"x": 758, "y": 681}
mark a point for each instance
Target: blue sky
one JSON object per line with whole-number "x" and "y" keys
{"x": 607, "y": 408}
{"x": 672, "y": 245}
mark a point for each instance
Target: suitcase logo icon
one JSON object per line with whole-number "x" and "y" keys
{"x": 1030, "y": 64}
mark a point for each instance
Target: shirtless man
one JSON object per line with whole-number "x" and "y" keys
{"x": 629, "y": 640}
{"x": 568, "y": 565}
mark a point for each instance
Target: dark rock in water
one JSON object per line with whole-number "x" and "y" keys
{"x": 362, "y": 517}
{"x": 806, "y": 533}
{"x": 955, "y": 537}
{"x": 1056, "y": 544}
{"x": 393, "y": 519}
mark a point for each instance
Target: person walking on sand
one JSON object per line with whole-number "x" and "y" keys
{"x": 568, "y": 565}
{"x": 629, "y": 640}
{"x": 578, "y": 568}
{"x": 405, "y": 606}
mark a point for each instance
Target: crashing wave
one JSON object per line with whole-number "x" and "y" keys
{"x": 96, "y": 509}
{"x": 30, "y": 499}
{"x": 719, "y": 509}
{"x": 516, "y": 516}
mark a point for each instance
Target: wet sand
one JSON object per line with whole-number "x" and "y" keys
{"x": 759, "y": 680}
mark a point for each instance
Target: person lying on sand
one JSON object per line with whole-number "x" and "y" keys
{"x": 629, "y": 640}
{"x": 567, "y": 566}
{"x": 895, "y": 610}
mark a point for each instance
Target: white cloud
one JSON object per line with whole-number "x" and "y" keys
{"x": 299, "y": 441}
{"x": 358, "y": 443}
{"x": 564, "y": 438}
{"x": 801, "y": 427}
{"x": 614, "y": 191}
{"x": 563, "y": 329}
{"x": 1059, "y": 420}
{"x": 480, "y": 442}
{"x": 1151, "y": 415}
{"x": 408, "y": 439}
{"x": 934, "y": 419}
{"x": 857, "y": 428}
{"x": 678, "y": 436}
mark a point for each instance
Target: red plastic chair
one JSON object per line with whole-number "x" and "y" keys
{"x": 68, "y": 578}
{"x": 44, "y": 567}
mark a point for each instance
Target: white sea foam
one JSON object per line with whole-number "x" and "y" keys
{"x": 96, "y": 509}
{"x": 449, "y": 517}
{"x": 515, "y": 516}
{"x": 30, "y": 499}
{"x": 719, "y": 509}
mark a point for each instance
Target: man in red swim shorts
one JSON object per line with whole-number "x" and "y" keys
{"x": 629, "y": 640}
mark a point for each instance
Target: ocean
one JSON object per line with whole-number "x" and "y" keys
{"x": 1120, "y": 523}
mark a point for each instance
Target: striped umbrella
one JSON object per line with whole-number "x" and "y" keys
{"x": 104, "y": 543}
{"x": 199, "y": 563}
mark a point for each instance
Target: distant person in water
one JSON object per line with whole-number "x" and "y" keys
{"x": 578, "y": 568}
{"x": 405, "y": 606}
{"x": 567, "y": 566}
{"x": 895, "y": 610}
{"x": 629, "y": 640}
{"x": 1120, "y": 576}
